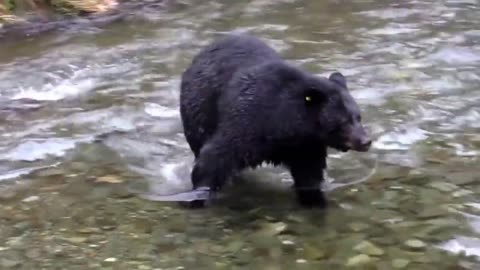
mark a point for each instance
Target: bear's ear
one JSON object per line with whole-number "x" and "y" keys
{"x": 314, "y": 96}
{"x": 339, "y": 79}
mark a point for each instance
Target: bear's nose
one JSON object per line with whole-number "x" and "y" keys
{"x": 365, "y": 144}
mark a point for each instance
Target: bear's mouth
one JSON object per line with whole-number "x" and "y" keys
{"x": 341, "y": 147}
{"x": 344, "y": 148}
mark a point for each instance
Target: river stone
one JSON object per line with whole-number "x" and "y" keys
{"x": 143, "y": 225}
{"x": 415, "y": 244}
{"x": 31, "y": 199}
{"x": 313, "y": 253}
{"x": 234, "y": 246}
{"x": 462, "y": 192}
{"x": 120, "y": 192}
{"x": 400, "y": 263}
{"x": 88, "y": 230}
{"x": 21, "y": 227}
{"x": 432, "y": 212}
{"x": 7, "y": 193}
{"x": 109, "y": 261}
{"x": 33, "y": 253}
{"x": 463, "y": 178}
{"x": 358, "y": 260}
{"x": 274, "y": 228}
{"x": 368, "y": 248}
{"x": 50, "y": 172}
{"x": 75, "y": 240}
{"x": 16, "y": 242}
{"x": 358, "y": 226}
{"x": 444, "y": 186}
{"x": 444, "y": 222}
{"x": 111, "y": 179}
{"x": 7, "y": 263}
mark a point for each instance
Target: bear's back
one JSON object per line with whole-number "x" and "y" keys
{"x": 216, "y": 64}
{"x": 209, "y": 74}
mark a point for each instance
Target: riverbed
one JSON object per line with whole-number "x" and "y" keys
{"x": 89, "y": 113}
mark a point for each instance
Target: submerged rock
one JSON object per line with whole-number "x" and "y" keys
{"x": 463, "y": 178}
{"x": 462, "y": 192}
{"x": 415, "y": 244}
{"x": 313, "y": 253}
{"x": 400, "y": 263}
{"x": 358, "y": 260}
{"x": 444, "y": 186}
{"x": 111, "y": 179}
{"x": 368, "y": 248}
{"x": 357, "y": 226}
{"x": 432, "y": 212}
{"x": 273, "y": 228}
{"x": 7, "y": 194}
{"x": 75, "y": 240}
{"x": 8, "y": 263}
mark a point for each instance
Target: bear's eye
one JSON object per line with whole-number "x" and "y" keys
{"x": 308, "y": 98}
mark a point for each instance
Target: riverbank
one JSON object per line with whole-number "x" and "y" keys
{"x": 29, "y": 17}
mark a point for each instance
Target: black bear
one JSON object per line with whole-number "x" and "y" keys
{"x": 242, "y": 105}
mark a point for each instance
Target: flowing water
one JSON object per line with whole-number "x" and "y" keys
{"x": 90, "y": 113}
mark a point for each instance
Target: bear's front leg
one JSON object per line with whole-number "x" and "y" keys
{"x": 307, "y": 177}
{"x": 212, "y": 168}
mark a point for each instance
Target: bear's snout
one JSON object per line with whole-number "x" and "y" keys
{"x": 363, "y": 144}
{"x": 359, "y": 139}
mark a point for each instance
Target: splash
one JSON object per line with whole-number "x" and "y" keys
{"x": 52, "y": 92}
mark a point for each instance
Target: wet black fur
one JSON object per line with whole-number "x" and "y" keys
{"x": 242, "y": 105}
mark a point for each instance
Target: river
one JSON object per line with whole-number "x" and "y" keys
{"x": 90, "y": 112}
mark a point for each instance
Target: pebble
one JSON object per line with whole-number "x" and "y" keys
{"x": 50, "y": 172}
{"x": 76, "y": 240}
{"x": 415, "y": 244}
{"x": 274, "y": 228}
{"x": 461, "y": 193}
{"x": 358, "y": 260}
{"x": 313, "y": 253}
{"x": 33, "y": 253}
{"x": 31, "y": 199}
{"x": 444, "y": 186}
{"x": 7, "y": 194}
{"x": 367, "y": 247}
{"x": 88, "y": 230}
{"x": 111, "y": 179}
{"x": 463, "y": 178}
{"x": 6, "y": 263}
{"x": 400, "y": 263}
{"x": 357, "y": 226}
{"x": 112, "y": 259}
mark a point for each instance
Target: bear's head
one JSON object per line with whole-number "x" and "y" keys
{"x": 335, "y": 113}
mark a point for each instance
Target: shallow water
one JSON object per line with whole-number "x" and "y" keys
{"x": 89, "y": 113}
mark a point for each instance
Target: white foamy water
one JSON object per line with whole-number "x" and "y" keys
{"x": 50, "y": 92}
{"x": 393, "y": 31}
{"x": 157, "y": 110}
{"x": 400, "y": 138}
{"x": 456, "y": 55}
{"x": 468, "y": 245}
{"x": 37, "y": 149}
{"x": 61, "y": 89}
{"x": 22, "y": 171}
